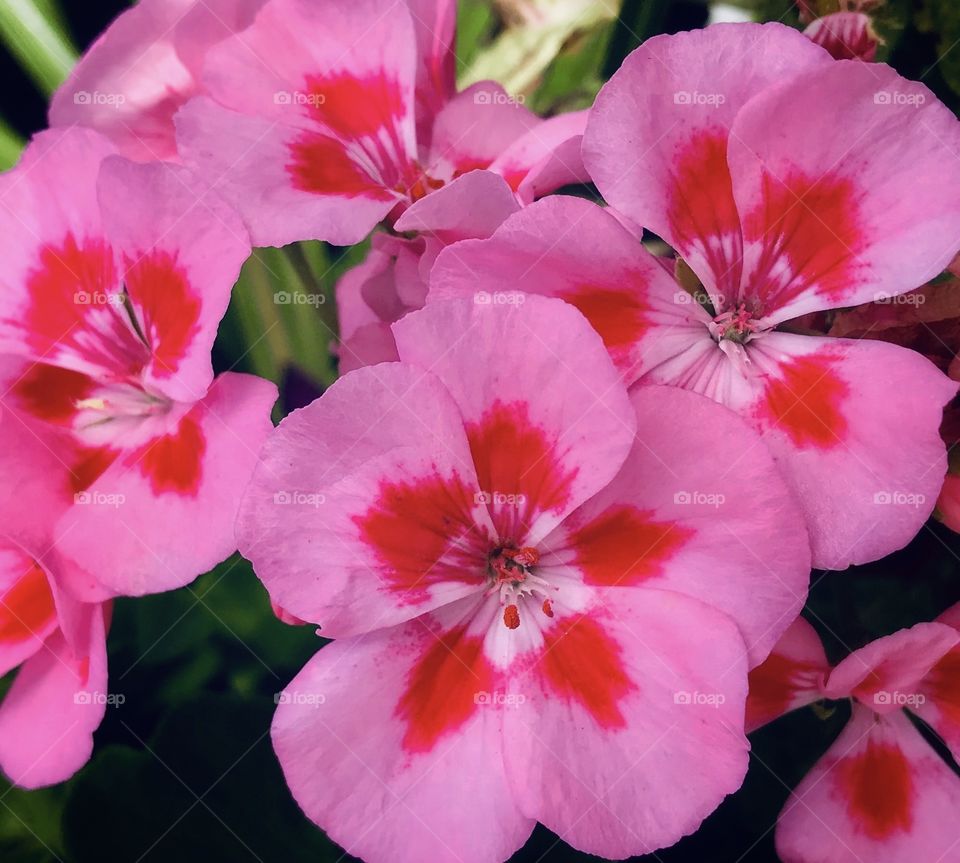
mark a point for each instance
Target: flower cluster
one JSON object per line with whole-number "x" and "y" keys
{"x": 567, "y": 492}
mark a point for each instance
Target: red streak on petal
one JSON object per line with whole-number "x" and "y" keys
{"x": 442, "y": 688}
{"x": 27, "y": 607}
{"x": 51, "y": 393}
{"x": 354, "y": 107}
{"x": 878, "y": 788}
{"x": 168, "y": 306}
{"x": 626, "y": 546}
{"x": 174, "y": 463}
{"x": 806, "y": 402}
{"x": 774, "y": 684}
{"x": 619, "y": 316}
{"x": 89, "y": 466}
{"x": 320, "y": 165}
{"x": 583, "y": 664}
{"x": 422, "y": 533}
{"x": 944, "y": 684}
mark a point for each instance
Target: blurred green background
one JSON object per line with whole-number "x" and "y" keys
{"x": 183, "y": 768}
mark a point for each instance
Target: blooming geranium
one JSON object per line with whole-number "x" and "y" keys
{"x": 320, "y": 120}
{"x": 880, "y": 792}
{"x": 789, "y": 183}
{"x": 115, "y": 278}
{"x": 544, "y": 592}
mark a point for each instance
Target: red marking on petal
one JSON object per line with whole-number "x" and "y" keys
{"x": 466, "y": 164}
{"x": 51, "y": 393}
{"x": 944, "y": 685}
{"x": 520, "y": 466}
{"x": 626, "y": 546}
{"x": 702, "y": 206}
{"x": 422, "y": 533}
{"x": 442, "y": 688}
{"x": 774, "y": 684}
{"x": 88, "y": 467}
{"x": 320, "y": 165}
{"x": 354, "y": 107}
{"x": 618, "y": 316}
{"x": 815, "y": 224}
{"x": 806, "y": 402}
{"x": 878, "y": 788}
{"x": 174, "y": 463}
{"x": 168, "y": 307}
{"x": 27, "y": 607}
{"x": 514, "y": 177}
{"x": 582, "y": 663}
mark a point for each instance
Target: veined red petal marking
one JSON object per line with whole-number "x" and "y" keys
{"x": 580, "y": 662}
{"x": 320, "y": 165}
{"x": 422, "y": 532}
{"x": 806, "y": 402}
{"x": 814, "y": 222}
{"x": 174, "y": 463}
{"x": 27, "y": 607}
{"x": 618, "y": 316}
{"x": 442, "y": 688}
{"x": 878, "y": 788}
{"x": 774, "y": 683}
{"x": 626, "y": 546}
{"x": 353, "y": 107}
{"x": 944, "y": 683}
{"x": 51, "y": 393}
{"x": 168, "y": 306}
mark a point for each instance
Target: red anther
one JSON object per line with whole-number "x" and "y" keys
{"x": 548, "y": 608}
{"x": 511, "y": 617}
{"x": 526, "y": 556}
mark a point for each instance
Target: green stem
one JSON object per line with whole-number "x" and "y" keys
{"x": 37, "y": 41}
{"x": 11, "y": 145}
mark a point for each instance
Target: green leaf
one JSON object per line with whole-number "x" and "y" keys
{"x": 34, "y": 34}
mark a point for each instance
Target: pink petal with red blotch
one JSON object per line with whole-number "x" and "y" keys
{"x": 435, "y": 26}
{"x": 833, "y": 220}
{"x": 181, "y": 249}
{"x": 550, "y": 248}
{"x": 427, "y": 758}
{"x": 133, "y": 79}
{"x": 313, "y": 134}
{"x": 879, "y": 793}
{"x": 886, "y": 674}
{"x": 846, "y": 35}
{"x": 186, "y": 483}
{"x": 363, "y": 511}
{"x": 545, "y": 158}
{"x": 616, "y": 702}
{"x": 28, "y": 614}
{"x": 698, "y": 508}
{"x": 656, "y": 140}
{"x": 56, "y": 702}
{"x": 543, "y": 438}
{"x": 792, "y": 676}
{"x": 866, "y": 468}
{"x": 940, "y": 707}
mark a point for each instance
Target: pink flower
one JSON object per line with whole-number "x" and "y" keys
{"x": 143, "y": 68}
{"x": 789, "y": 182}
{"x": 321, "y": 120}
{"x": 116, "y": 276}
{"x": 846, "y": 35}
{"x": 880, "y": 792}
{"x": 545, "y": 591}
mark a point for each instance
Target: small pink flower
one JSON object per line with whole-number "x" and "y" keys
{"x": 845, "y": 35}
{"x": 880, "y": 792}
{"x": 116, "y": 275}
{"x": 545, "y": 591}
{"x": 141, "y": 71}
{"x": 321, "y": 120}
{"x": 789, "y": 182}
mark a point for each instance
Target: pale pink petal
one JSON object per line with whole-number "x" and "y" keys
{"x": 880, "y": 793}
{"x": 435, "y": 25}
{"x": 656, "y": 141}
{"x": 792, "y": 676}
{"x": 56, "y": 702}
{"x": 846, "y": 35}
{"x": 548, "y": 421}
{"x": 185, "y": 484}
{"x": 619, "y": 703}
{"x": 864, "y": 213}
{"x": 550, "y": 247}
{"x": 367, "y": 346}
{"x": 698, "y": 508}
{"x": 362, "y": 511}
{"x": 886, "y": 674}
{"x": 393, "y": 744}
